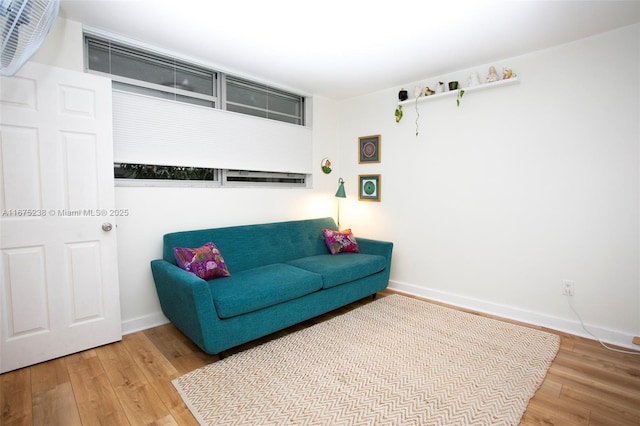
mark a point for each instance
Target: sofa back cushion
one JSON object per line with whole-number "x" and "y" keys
{"x": 250, "y": 246}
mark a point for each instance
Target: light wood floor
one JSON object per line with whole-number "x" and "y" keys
{"x": 129, "y": 382}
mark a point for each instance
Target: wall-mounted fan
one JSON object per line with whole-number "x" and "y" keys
{"x": 24, "y": 24}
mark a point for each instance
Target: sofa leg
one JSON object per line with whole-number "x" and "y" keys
{"x": 373, "y": 296}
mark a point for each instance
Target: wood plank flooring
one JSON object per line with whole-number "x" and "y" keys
{"x": 129, "y": 383}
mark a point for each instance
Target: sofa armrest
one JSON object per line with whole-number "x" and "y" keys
{"x": 382, "y": 248}
{"x": 185, "y": 299}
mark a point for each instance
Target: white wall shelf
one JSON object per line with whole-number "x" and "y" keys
{"x": 493, "y": 85}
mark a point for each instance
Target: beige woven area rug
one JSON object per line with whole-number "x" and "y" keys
{"x": 395, "y": 361}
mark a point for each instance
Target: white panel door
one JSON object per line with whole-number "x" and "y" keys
{"x": 59, "y": 291}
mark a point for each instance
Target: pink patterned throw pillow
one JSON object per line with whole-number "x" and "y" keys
{"x": 340, "y": 241}
{"x": 205, "y": 262}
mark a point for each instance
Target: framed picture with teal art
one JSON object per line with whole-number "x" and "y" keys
{"x": 369, "y": 187}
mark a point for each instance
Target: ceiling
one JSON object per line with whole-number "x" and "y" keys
{"x": 345, "y": 48}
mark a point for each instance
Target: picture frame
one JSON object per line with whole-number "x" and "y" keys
{"x": 369, "y": 187}
{"x": 369, "y": 149}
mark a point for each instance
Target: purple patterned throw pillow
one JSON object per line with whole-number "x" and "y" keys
{"x": 205, "y": 262}
{"x": 340, "y": 241}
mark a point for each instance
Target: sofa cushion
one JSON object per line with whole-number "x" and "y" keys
{"x": 253, "y": 289}
{"x": 206, "y": 262}
{"x": 336, "y": 270}
{"x": 340, "y": 241}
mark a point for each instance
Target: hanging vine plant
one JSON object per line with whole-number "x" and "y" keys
{"x": 398, "y": 113}
{"x": 459, "y": 97}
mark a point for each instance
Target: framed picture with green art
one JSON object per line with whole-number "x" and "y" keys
{"x": 369, "y": 187}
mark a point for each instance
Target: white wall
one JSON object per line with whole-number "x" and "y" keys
{"x": 63, "y": 46}
{"x": 497, "y": 201}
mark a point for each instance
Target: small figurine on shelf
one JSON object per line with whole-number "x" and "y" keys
{"x": 440, "y": 87}
{"x": 507, "y": 73}
{"x": 403, "y": 95}
{"x": 428, "y": 92}
{"x": 493, "y": 75}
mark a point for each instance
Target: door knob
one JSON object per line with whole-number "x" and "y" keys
{"x": 106, "y": 227}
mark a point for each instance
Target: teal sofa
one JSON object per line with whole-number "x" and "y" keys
{"x": 281, "y": 274}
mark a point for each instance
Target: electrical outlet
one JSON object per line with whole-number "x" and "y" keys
{"x": 567, "y": 287}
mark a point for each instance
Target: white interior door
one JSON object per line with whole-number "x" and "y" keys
{"x": 59, "y": 291}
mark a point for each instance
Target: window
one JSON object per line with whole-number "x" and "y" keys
{"x": 141, "y": 71}
{"x": 251, "y": 178}
{"x": 259, "y": 100}
{"x": 147, "y": 133}
{"x": 151, "y": 171}
{"x": 129, "y": 174}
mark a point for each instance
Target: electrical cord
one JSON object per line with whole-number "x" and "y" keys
{"x": 596, "y": 337}
{"x": 417, "y": 114}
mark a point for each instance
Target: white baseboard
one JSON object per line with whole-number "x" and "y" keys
{"x": 572, "y": 327}
{"x": 567, "y": 326}
{"x": 143, "y": 323}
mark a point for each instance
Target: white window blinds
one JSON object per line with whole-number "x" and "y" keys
{"x": 149, "y": 130}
